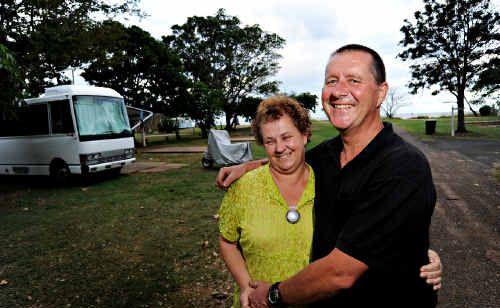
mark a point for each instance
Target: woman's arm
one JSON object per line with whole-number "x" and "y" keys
{"x": 236, "y": 265}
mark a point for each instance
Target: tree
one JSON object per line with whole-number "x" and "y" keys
{"x": 452, "y": 41}
{"x": 306, "y": 99}
{"x": 145, "y": 71}
{"x": 10, "y": 81}
{"x": 227, "y": 57}
{"x": 488, "y": 82}
{"x": 48, "y": 37}
{"x": 203, "y": 104}
{"x": 394, "y": 100}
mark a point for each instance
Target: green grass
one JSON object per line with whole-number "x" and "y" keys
{"x": 132, "y": 241}
{"x": 443, "y": 127}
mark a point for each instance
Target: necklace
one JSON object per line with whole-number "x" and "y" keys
{"x": 292, "y": 215}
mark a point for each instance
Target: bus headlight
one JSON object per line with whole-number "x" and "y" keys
{"x": 129, "y": 153}
{"x": 90, "y": 159}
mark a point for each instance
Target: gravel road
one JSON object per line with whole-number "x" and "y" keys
{"x": 465, "y": 225}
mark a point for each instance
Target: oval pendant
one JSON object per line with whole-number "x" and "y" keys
{"x": 292, "y": 216}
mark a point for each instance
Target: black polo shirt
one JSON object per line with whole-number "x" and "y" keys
{"x": 376, "y": 209}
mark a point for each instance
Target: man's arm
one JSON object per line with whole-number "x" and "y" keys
{"x": 227, "y": 175}
{"x": 319, "y": 280}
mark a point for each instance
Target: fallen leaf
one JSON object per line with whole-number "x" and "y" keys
{"x": 4, "y": 282}
{"x": 216, "y": 216}
{"x": 85, "y": 188}
{"x": 204, "y": 244}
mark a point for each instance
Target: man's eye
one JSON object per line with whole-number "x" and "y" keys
{"x": 354, "y": 81}
{"x": 331, "y": 81}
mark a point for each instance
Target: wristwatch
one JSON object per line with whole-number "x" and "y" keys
{"x": 274, "y": 296}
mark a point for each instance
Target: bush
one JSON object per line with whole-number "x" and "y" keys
{"x": 485, "y": 111}
{"x": 168, "y": 125}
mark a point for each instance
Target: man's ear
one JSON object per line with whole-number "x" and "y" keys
{"x": 382, "y": 92}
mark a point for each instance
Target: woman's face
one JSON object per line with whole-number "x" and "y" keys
{"x": 284, "y": 144}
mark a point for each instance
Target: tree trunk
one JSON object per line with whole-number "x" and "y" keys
{"x": 204, "y": 131}
{"x": 461, "y": 117}
{"x": 229, "y": 117}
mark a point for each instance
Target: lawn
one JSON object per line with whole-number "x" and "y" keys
{"x": 139, "y": 240}
{"x": 443, "y": 127}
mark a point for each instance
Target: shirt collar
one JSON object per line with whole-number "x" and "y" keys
{"x": 373, "y": 147}
{"x": 275, "y": 194}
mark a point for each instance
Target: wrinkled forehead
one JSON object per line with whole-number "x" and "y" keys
{"x": 355, "y": 59}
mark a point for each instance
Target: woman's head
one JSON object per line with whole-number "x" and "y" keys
{"x": 283, "y": 127}
{"x": 273, "y": 108}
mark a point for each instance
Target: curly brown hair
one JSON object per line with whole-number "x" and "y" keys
{"x": 273, "y": 108}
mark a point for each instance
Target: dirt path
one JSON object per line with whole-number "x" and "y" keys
{"x": 465, "y": 225}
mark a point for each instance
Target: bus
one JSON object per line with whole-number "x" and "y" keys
{"x": 67, "y": 130}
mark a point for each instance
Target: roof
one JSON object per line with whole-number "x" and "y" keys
{"x": 80, "y": 90}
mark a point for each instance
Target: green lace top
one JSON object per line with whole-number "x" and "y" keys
{"x": 253, "y": 214}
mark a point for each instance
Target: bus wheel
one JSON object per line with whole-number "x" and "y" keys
{"x": 206, "y": 162}
{"x": 59, "y": 171}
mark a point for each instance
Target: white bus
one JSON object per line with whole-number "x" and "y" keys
{"x": 67, "y": 130}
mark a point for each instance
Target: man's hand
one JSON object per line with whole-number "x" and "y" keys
{"x": 227, "y": 175}
{"x": 244, "y": 293}
{"x": 258, "y": 298}
{"x": 432, "y": 272}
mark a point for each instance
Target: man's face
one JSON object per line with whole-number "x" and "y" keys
{"x": 351, "y": 97}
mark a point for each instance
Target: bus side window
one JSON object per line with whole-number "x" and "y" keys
{"x": 36, "y": 120}
{"x": 60, "y": 115}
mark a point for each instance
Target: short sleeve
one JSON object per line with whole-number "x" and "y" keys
{"x": 394, "y": 211}
{"x": 230, "y": 214}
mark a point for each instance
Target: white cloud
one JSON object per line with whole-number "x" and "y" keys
{"x": 312, "y": 29}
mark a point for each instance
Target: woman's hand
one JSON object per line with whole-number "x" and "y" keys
{"x": 244, "y": 293}
{"x": 433, "y": 271}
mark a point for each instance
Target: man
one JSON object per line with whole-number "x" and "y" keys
{"x": 374, "y": 201}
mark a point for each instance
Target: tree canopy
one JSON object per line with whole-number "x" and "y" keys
{"x": 47, "y": 37}
{"x": 451, "y": 44}
{"x": 10, "y": 80}
{"x": 141, "y": 68}
{"x": 228, "y": 57}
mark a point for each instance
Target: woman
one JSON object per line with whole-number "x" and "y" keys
{"x": 266, "y": 221}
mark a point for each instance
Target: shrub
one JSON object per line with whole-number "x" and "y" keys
{"x": 485, "y": 111}
{"x": 168, "y": 125}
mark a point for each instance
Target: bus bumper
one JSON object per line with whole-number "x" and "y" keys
{"x": 105, "y": 166}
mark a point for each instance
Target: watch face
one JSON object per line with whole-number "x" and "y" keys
{"x": 274, "y": 295}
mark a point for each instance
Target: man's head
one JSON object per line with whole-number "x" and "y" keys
{"x": 354, "y": 88}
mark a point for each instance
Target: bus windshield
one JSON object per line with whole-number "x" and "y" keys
{"x": 100, "y": 117}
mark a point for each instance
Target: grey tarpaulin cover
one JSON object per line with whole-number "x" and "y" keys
{"x": 222, "y": 152}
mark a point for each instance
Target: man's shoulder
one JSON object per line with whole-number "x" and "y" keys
{"x": 324, "y": 148}
{"x": 401, "y": 150}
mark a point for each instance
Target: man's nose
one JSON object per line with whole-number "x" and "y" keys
{"x": 340, "y": 89}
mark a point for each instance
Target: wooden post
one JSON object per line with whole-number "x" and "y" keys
{"x": 143, "y": 135}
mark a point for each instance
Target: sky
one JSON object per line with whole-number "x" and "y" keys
{"x": 312, "y": 30}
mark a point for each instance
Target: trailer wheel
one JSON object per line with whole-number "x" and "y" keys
{"x": 206, "y": 163}
{"x": 59, "y": 171}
